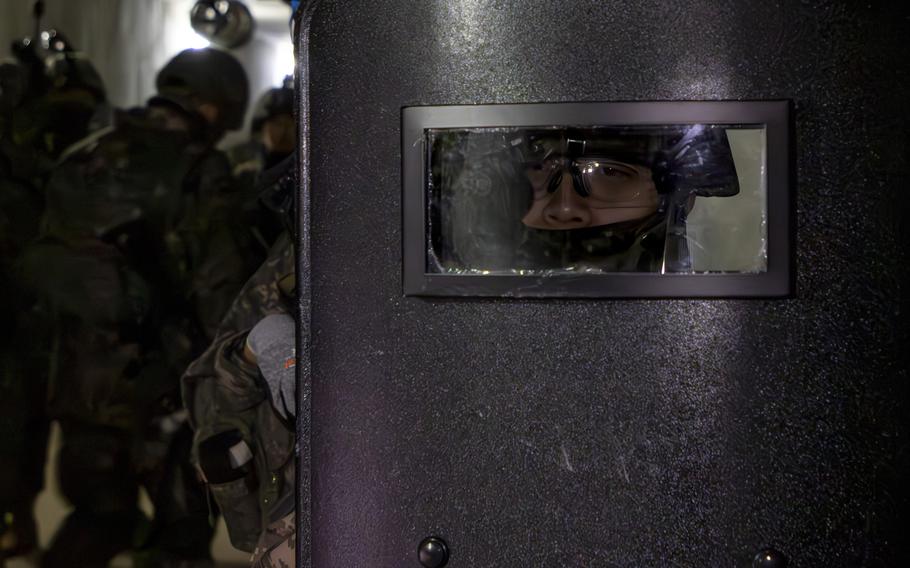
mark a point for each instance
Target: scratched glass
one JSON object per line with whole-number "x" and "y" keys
{"x": 660, "y": 199}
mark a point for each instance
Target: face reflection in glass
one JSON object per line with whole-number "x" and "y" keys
{"x": 586, "y": 191}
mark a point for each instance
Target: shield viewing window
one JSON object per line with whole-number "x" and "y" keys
{"x": 652, "y": 199}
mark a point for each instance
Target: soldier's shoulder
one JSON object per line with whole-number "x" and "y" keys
{"x": 270, "y": 290}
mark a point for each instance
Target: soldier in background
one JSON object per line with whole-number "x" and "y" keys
{"x": 273, "y": 137}
{"x": 50, "y": 96}
{"x": 217, "y": 251}
{"x": 65, "y": 99}
{"x": 24, "y": 438}
{"x": 136, "y": 266}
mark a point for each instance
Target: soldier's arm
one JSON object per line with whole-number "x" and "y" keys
{"x": 221, "y": 380}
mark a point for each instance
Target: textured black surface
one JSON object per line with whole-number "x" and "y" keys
{"x": 301, "y": 26}
{"x": 611, "y": 433}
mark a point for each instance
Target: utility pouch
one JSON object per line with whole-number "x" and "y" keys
{"x": 226, "y": 461}
{"x": 239, "y": 504}
{"x": 225, "y": 457}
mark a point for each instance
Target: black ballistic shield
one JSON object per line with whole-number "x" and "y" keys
{"x": 601, "y": 431}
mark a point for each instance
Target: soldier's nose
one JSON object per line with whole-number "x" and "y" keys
{"x": 566, "y": 209}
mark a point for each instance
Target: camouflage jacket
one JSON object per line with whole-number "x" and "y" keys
{"x": 223, "y": 392}
{"x": 136, "y": 265}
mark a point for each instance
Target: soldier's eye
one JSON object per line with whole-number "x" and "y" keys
{"x": 613, "y": 172}
{"x": 606, "y": 170}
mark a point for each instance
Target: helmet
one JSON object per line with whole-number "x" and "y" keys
{"x": 54, "y": 64}
{"x": 68, "y": 70}
{"x": 53, "y": 40}
{"x": 683, "y": 159}
{"x": 273, "y": 102}
{"x": 698, "y": 162}
{"x": 196, "y": 76}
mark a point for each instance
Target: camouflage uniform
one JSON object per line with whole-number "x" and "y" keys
{"x": 220, "y": 251}
{"x": 277, "y": 546}
{"x": 47, "y": 101}
{"x": 137, "y": 265}
{"x": 224, "y": 393}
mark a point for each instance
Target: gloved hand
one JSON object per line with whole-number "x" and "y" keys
{"x": 272, "y": 344}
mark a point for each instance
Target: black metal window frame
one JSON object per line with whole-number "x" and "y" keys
{"x": 776, "y": 281}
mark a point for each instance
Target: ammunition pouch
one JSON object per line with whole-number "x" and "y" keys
{"x": 227, "y": 461}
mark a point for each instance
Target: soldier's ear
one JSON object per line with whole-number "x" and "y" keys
{"x": 209, "y": 112}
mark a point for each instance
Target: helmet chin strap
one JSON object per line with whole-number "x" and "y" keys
{"x": 663, "y": 259}
{"x": 677, "y": 210}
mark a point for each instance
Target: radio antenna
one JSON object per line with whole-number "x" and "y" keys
{"x": 38, "y": 14}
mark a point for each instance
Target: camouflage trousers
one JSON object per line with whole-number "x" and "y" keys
{"x": 277, "y": 545}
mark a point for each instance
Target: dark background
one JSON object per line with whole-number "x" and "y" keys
{"x": 612, "y": 433}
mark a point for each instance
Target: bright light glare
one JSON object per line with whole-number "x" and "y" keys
{"x": 179, "y": 34}
{"x": 282, "y": 61}
{"x": 190, "y": 39}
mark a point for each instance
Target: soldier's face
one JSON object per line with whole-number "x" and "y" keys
{"x": 168, "y": 118}
{"x": 279, "y": 134}
{"x": 586, "y": 191}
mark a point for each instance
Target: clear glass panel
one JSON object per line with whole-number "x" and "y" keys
{"x": 554, "y": 200}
